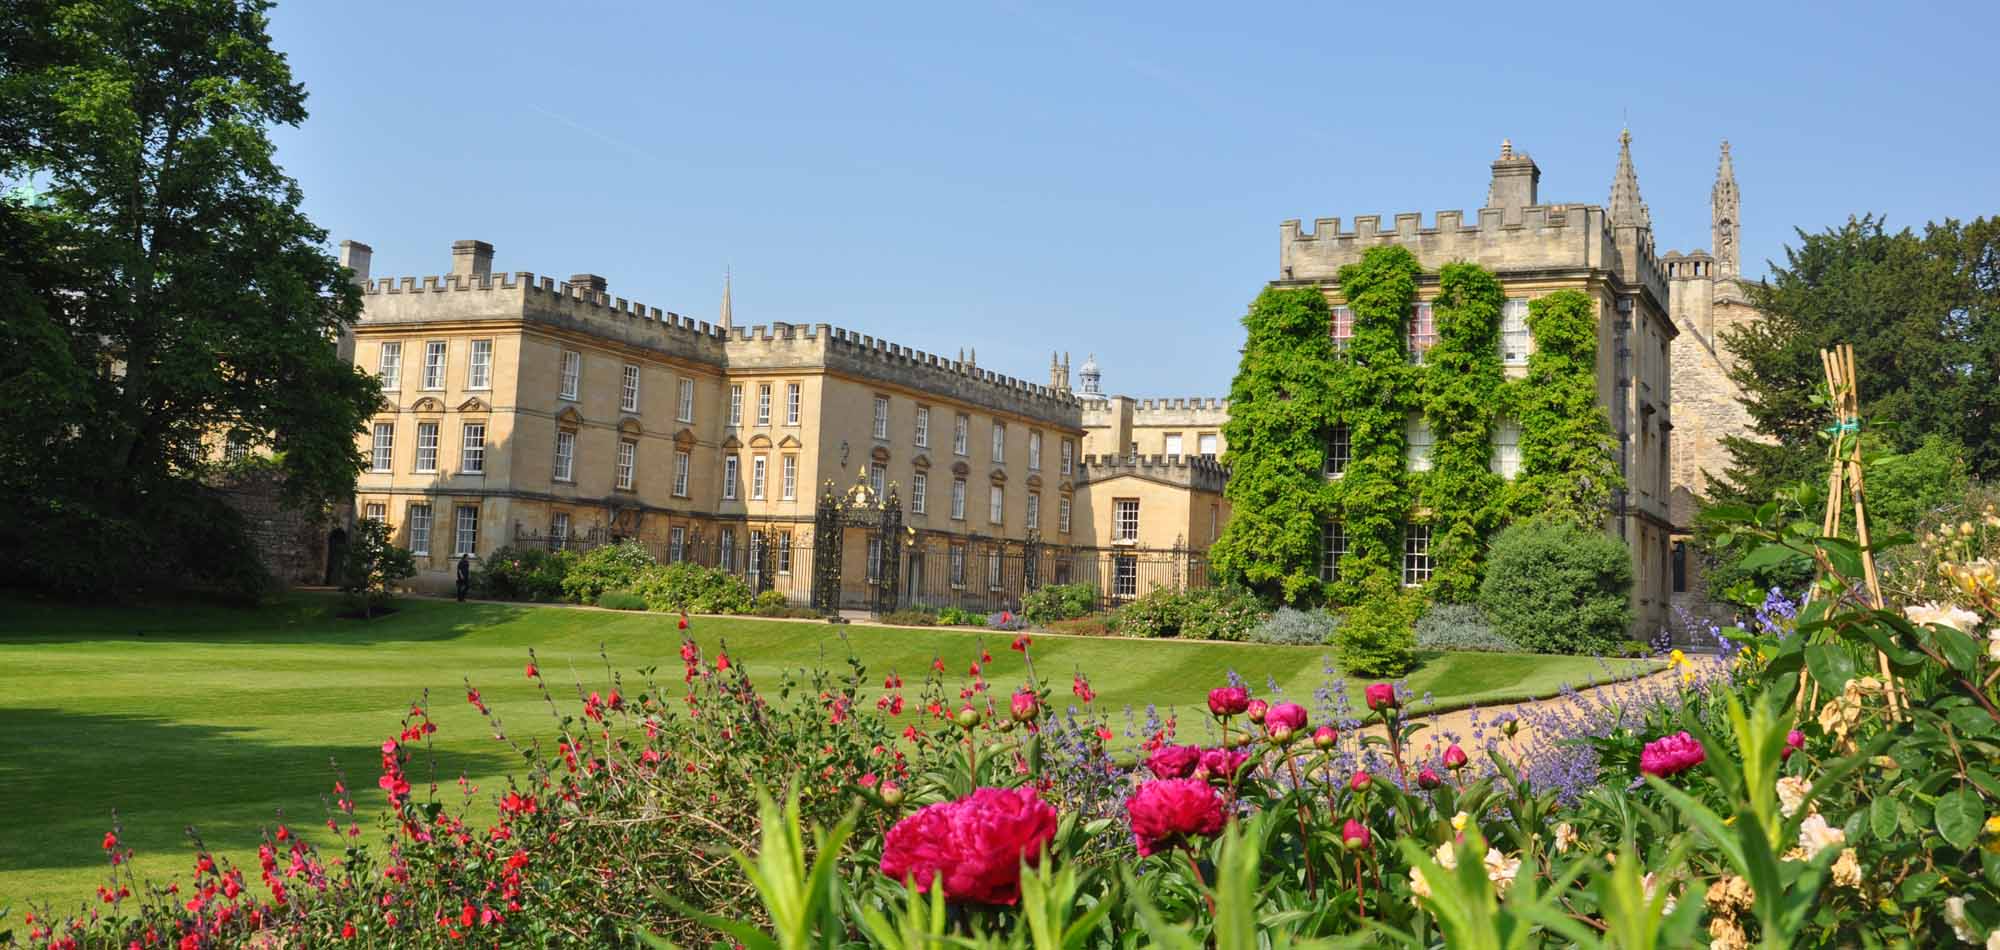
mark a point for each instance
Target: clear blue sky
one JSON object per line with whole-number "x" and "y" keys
{"x": 1021, "y": 179}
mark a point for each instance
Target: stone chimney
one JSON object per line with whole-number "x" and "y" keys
{"x": 591, "y": 285}
{"x": 355, "y": 256}
{"x": 1516, "y": 179}
{"x": 471, "y": 259}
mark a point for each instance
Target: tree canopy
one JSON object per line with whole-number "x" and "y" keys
{"x": 164, "y": 286}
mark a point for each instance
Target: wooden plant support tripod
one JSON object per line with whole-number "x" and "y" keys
{"x": 1844, "y": 481}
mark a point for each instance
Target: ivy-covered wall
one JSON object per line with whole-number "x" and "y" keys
{"x": 1294, "y": 387}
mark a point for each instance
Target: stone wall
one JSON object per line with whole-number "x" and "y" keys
{"x": 290, "y": 541}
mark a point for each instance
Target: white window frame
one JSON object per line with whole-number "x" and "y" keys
{"x": 788, "y": 477}
{"x": 418, "y": 516}
{"x": 961, "y": 428}
{"x": 1507, "y": 448}
{"x": 1332, "y": 547}
{"x": 571, "y": 381}
{"x": 1206, "y": 445}
{"x": 958, "y": 499}
{"x": 559, "y": 530}
{"x": 1339, "y": 451}
{"x": 472, "y": 448}
{"x": 479, "y": 365}
{"x": 996, "y": 504}
{"x": 676, "y": 544}
{"x": 383, "y": 456}
{"x": 760, "y": 466}
{"x": 993, "y": 569}
{"x": 1419, "y": 441}
{"x": 437, "y": 356}
{"x": 681, "y": 465}
{"x": 874, "y": 565}
{"x": 1068, "y": 457}
{"x": 784, "y": 552}
{"x": 880, "y": 422}
{"x": 732, "y": 468}
{"x": 1034, "y": 450}
{"x": 1125, "y": 520}
{"x": 389, "y": 365}
{"x": 628, "y": 463}
{"x": 763, "y": 404}
{"x": 957, "y": 565}
{"x": 794, "y": 401}
{"x": 923, "y": 427}
{"x": 1062, "y": 514}
{"x": 917, "y": 489}
{"x": 1124, "y": 576}
{"x": 999, "y": 442}
{"x": 427, "y": 448}
{"x": 1416, "y": 342}
{"x": 725, "y": 550}
{"x": 375, "y": 511}
{"x": 1515, "y": 340}
{"x": 1034, "y": 510}
{"x": 735, "y": 405}
{"x": 1417, "y": 563}
{"x": 1175, "y": 444}
{"x": 628, "y": 392}
{"x": 878, "y": 479}
{"x": 465, "y": 531}
{"x": 753, "y": 553}
{"x": 686, "y": 401}
{"x": 565, "y": 465}
{"x": 1342, "y": 329}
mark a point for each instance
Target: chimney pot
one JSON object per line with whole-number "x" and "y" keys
{"x": 590, "y": 284}
{"x": 355, "y": 256}
{"x": 471, "y": 259}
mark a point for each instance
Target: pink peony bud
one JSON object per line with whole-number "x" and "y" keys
{"x": 1228, "y": 700}
{"x": 1454, "y": 757}
{"x": 1381, "y": 696}
{"x": 1290, "y": 717}
{"x": 1360, "y": 780}
{"x": 1794, "y": 741}
{"x": 1354, "y": 836}
{"x": 967, "y": 718}
{"x": 1025, "y": 706}
{"x": 1325, "y": 736}
{"x": 1428, "y": 778}
{"x": 1256, "y": 709}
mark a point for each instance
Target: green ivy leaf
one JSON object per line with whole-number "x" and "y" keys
{"x": 1958, "y": 815}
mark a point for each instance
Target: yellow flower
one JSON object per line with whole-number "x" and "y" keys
{"x": 1459, "y": 821}
{"x": 1993, "y": 825}
{"x": 1676, "y": 658}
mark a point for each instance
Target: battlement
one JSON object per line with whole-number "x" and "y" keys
{"x": 1189, "y": 404}
{"x": 1542, "y": 237}
{"x": 1192, "y": 471}
{"x": 869, "y": 356}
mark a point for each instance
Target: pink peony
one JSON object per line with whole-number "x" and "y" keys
{"x": 1290, "y": 717}
{"x": 1325, "y": 736}
{"x": 1381, "y": 696}
{"x": 1670, "y": 755}
{"x": 1221, "y": 763}
{"x": 972, "y": 847}
{"x": 1354, "y": 836}
{"x": 1256, "y": 709}
{"x": 1428, "y": 778}
{"x": 1174, "y": 761}
{"x": 1166, "y": 811}
{"x": 1228, "y": 700}
{"x": 1794, "y": 741}
{"x": 1454, "y": 757}
{"x": 1359, "y": 781}
{"x": 1024, "y": 705}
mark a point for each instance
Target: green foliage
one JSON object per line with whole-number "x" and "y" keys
{"x": 173, "y": 243}
{"x": 769, "y": 599}
{"x": 1294, "y": 627}
{"x": 687, "y": 587}
{"x": 1095, "y": 625}
{"x": 1460, "y": 627}
{"x": 1220, "y": 613}
{"x": 621, "y": 600}
{"x": 1376, "y": 636}
{"x": 1279, "y": 404}
{"x": 1460, "y": 394}
{"x": 609, "y": 567}
{"x": 1908, "y": 489}
{"x": 372, "y": 565}
{"x": 527, "y": 573}
{"x": 1569, "y": 457}
{"x": 1373, "y": 394}
{"x": 1052, "y": 602}
{"x": 1554, "y": 586}
{"x": 1157, "y": 613}
{"x": 1920, "y": 314}
{"x": 918, "y": 616}
{"x": 960, "y": 617}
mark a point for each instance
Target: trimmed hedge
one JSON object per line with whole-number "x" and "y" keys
{"x": 1553, "y": 586}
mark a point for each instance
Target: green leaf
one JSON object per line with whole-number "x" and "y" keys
{"x": 1957, "y": 648}
{"x": 1770, "y": 554}
{"x": 1958, "y": 816}
{"x": 1882, "y": 818}
{"x": 1831, "y": 665}
{"x": 1918, "y": 886}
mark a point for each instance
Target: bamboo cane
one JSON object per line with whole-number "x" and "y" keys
{"x": 1854, "y": 471}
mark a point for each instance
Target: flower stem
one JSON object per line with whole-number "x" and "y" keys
{"x": 1360, "y": 890}
{"x": 1194, "y": 865}
{"x": 1305, "y": 844}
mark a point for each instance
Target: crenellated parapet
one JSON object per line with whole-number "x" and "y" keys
{"x": 1189, "y": 471}
{"x": 1540, "y": 237}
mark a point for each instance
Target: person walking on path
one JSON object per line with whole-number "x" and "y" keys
{"x": 464, "y": 576}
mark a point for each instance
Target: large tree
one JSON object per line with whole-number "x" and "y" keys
{"x": 163, "y": 287}
{"x": 1923, "y": 315}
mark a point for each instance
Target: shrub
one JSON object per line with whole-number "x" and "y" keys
{"x": 372, "y": 565}
{"x": 918, "y": 616}
{"x": 786, "y": 611}
{"x": 768, "y": 599}
{"x": 1555, "y": 587}
{"x": 611, "y": 567}
{"x": 693, "y": 588}
{"x": 1052, "y": 602}
{"x": 1294, "y": 627}
{"x": 1092, "y": 626}
{"x": 1221, "y": 613}
{"x": 621, "y": 600}
{"x": 1460, "y": 627}
{"x": 1376, "y": 637}
{"x": 960, "y": 617}
{"x": 1006, "y": 620}
{"x": 1160, "y": 613}
{"x": 522, "y": 574}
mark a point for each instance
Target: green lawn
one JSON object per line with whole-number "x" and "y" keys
{"x": 221, "y": 718}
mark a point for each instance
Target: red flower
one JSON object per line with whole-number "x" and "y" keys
{"x": 721, "y": 661}
{"x": 1354, "y": 836}
{"x": 1081, "y": 687}
{"x": 1024, "y": 705}
{"x": 1428, "y": 778}
{"x": 1021, "y": 642}
{"x": 1174, "y": 761}
{"x": 1167, "y": 811}
{"x": 347, "y": 931}
{"x": 1671, "y": 755}
{"x": 110, "y": 841}
{"x": 1284, "y": 719}
{"x": 684, "y": 620}
{"x": 532, "y": 672}
{"x": 1228, "y": 700}
{"x": 937, "y": 663}
{"x": 1221, "y": 764}
{"x": 1454, "y": 757}
{"x": 1381, "y": 696}
{"x": 1359, "y": 782}
{"x": 1794, "y": 741}
{"x": 972, "y": 847}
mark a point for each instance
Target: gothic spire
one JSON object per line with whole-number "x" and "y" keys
{"x": 1724, "y": 217}
{"x": 725, "y": 320}
{"x": 1627, "y": 210}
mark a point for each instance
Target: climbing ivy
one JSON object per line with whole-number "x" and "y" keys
{"x": 1278, "y": 405}
{"x": 1374, "y": 391}
{"x": 1569, "y": 460}
{"x": 1460, "y": 393}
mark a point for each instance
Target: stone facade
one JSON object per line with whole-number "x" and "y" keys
{"x": 1607, "y": 252}
{"x": 291, "y": 542}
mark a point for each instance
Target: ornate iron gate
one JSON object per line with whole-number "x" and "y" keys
{"x": 882, "y": 518}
